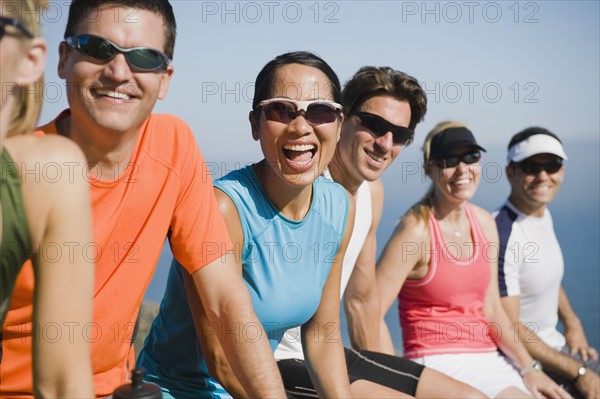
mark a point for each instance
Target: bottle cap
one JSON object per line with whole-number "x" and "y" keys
{"x": 138, "y": 389}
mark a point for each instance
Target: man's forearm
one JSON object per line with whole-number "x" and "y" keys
{"x": 552, "y": 360}
{"x": 363, "y": 322}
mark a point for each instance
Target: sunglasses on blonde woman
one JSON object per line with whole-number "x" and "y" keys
{"x": 468, "y": 159}
{"x": 285, "y": 110}
{"x": 5, "y": 21}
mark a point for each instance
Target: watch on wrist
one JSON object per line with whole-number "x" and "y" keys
{"x": 534, "y": 366}
{"x": 580, "y": 373}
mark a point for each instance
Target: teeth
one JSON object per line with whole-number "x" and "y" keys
{"x": 299, "y": 147}
{"x": 112, "y": 93}
{"x": 375, "y": 157}
{"x": 462, "y": 181}
{"x": 542, "y": 188}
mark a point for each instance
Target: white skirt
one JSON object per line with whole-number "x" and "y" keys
{"x": 489, "y": 372}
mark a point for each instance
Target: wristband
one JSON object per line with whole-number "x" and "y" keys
{"x": 534, "y": 366}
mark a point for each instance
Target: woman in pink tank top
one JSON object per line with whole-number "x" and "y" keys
{"x": 441, "y": 263}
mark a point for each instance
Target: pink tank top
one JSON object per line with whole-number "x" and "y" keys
{"x": 442, "y": 313}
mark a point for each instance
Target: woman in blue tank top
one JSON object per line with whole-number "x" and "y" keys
{"x": 290, "y": 228}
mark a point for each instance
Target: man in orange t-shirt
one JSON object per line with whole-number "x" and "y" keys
{"x": 148, "y": 182}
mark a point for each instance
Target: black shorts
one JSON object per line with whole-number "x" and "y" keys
{"x": 390, "y": 371}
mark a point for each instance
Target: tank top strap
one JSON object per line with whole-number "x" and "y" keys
{"x": 479, "y": 237}
{"x": 434, "y": 229}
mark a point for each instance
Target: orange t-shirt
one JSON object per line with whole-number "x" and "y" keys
{"x": 166, "y": 191}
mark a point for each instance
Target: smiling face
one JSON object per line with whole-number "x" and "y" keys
{"x": 458, "y": 183}
{"x": 363, "y": 155}
{"x": 297, "y": 152}
{"x": 110, "y": 95}
{"x": 531, "y": 194}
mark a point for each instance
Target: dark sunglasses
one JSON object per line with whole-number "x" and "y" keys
{"x": 5, "y": 21}
{"x": 534, "y": 168}
{"x": 285, "y": 110}
{"x": 142, "y": 59}
{"x": 379, "y": 127}
{"x": 453, "y": 160}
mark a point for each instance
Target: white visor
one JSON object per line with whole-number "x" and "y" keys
{"x": 536, "y": 144}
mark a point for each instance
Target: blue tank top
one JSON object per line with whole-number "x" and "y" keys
{"x": 285, "y": 265}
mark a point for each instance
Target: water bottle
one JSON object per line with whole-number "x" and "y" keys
{"x": 138, "y": 389}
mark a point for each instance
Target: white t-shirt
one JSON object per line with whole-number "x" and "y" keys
{"x": 531, "y": 266}
{"x": 291, "y": 344}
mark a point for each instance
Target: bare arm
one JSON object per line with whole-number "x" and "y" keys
{"x": 321, "y": 338}
{"x": 227, "y": 303}
{"x": 403, "y": 252}
{"x": 60, "y": 220}
{"x": 574, "y": 333}
{"x": 537, "y": 382}
{"x": 361, "y": 298}
{"x": 551, "y": 360}
{"x": 216, "y": 361}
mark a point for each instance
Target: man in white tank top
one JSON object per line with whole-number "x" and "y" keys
{"x": 382, "y": 107}
{"x": 531, "y": 265}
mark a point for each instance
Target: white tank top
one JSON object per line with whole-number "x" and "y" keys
{"x": 290, "y": 346}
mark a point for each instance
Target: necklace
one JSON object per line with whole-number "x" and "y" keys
{"x": 456, "y": 229}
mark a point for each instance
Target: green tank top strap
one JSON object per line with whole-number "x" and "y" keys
{"x": 15, "y": 246}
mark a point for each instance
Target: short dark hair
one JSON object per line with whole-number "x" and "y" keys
{"x": 530, "y": 131}
{"x": 263, "y": 86}
{"x": 371, "y": 81}
{"x": 80, "y": 9}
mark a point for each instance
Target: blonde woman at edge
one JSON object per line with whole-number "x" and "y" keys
{"x": 442, "y": 264}
{"x": 45, "y": 216}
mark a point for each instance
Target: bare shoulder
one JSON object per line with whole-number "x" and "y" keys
{"x": 487, "y": 222}
{"x": 226, "y": 205}
{"x": 231, "y": 215}
{"x": 410, "y": 226}
{"x": 485, "y": 218}
{"x": 53, "y": 185}
{"x": 46, "y": 149}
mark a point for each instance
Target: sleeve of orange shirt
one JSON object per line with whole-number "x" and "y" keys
{"x": 198, "y": 234}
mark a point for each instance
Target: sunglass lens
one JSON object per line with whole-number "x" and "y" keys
{"x": 320, "y": 113}
{"x": 553, "y": 167}
{"x": 533, "y": 168}
{"x": 279, "y": 112}
{"x": 380, "y": 127}
{"x": 402, "y": 137}
{"x": 373, "y": 125}
{"x": 468, "y": 159}
{"x": 450, "y": 162}
{"x": 145, "y": 59}
{"x": 530, "y": 168}
{"x": 471, "y": 158}
{"x": 96, "y": 48}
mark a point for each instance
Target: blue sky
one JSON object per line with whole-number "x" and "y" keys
{"x": 498, "y": 66}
